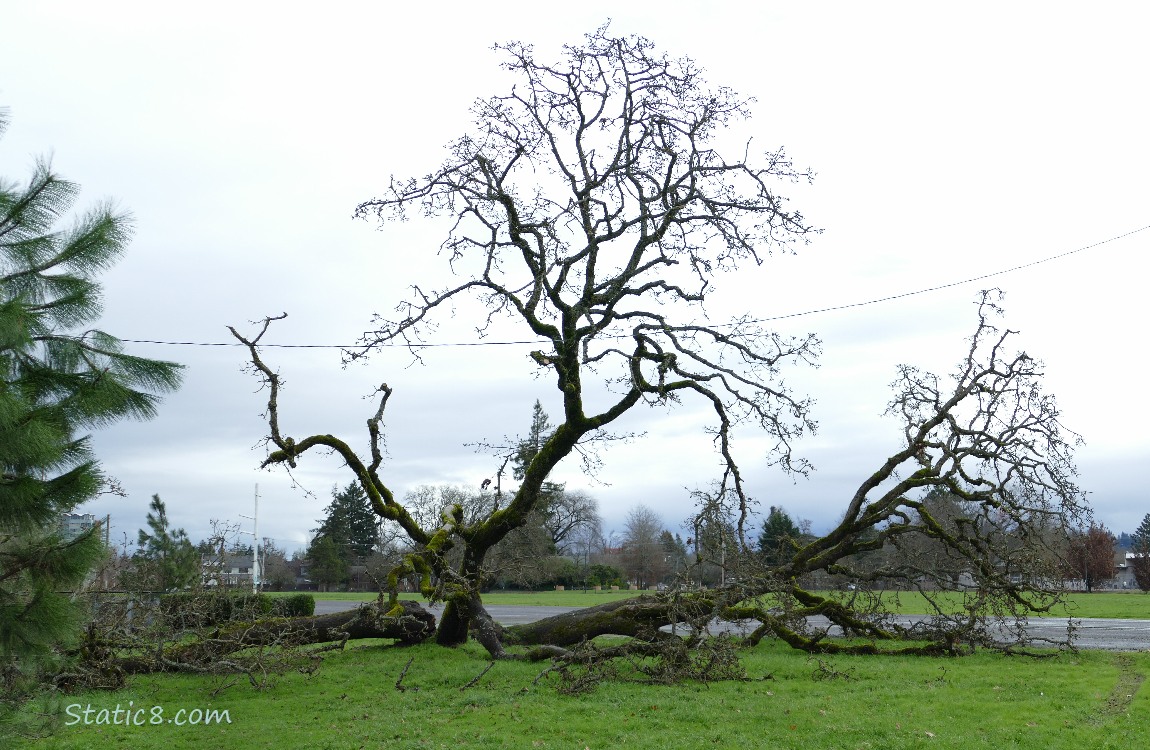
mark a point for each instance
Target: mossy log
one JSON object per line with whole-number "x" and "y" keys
{"x": 642, "y": 618}
{"x": 639, "y": 617}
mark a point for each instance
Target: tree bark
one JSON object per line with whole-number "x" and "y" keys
{"x": 453, "y": 624}
{"x": 640, "y": 617}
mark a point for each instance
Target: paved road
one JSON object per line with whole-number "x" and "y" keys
{"x": 1094, "y": 633}
{"x": 1110, "y": 635}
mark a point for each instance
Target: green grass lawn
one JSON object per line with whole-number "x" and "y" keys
{"x": 1126, "y": 606}
{"x": 1111, "y": 605}
{"x": 1120, "y": 605}
{"x": 1089, "y": 700}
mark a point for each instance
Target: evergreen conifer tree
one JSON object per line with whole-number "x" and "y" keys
{"x": 350, "y": 523}
{"x": 327, "y": 565}
{"x": 778, "y": 537}
{"x": 1140, "y": 539}
{"x": 526, "y": 450}
{"x": 58, "y": 379}
{"x": 1140, "y": 546}
{"x": 167, "y": 558}
{"x": 529, "y": 447}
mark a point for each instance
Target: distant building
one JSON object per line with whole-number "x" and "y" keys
{"x": 229, "y": 570}
{"x": 73, "y": 525}
{"x": 1124, "y": 569}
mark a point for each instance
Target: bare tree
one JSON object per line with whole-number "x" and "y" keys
{"x": 590, "y": 205}
{"x": 720, "y": 546}
{"x": 1090, "y": 556}
{"x": 274, "y": 570}
{"x": 990, "y": 441}
{"x": 569, "y": 517}
{"x": 643, "y": 554}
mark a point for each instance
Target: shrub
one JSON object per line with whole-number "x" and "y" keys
{"x": 205, "y": 609}
{"x": 296, "y": 605}
{"x": 604, "y": 575}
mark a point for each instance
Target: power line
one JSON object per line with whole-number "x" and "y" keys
{"x": 322, "y": 346}
{"x": 757, "y": 320}
{"x": 955, "y": 283}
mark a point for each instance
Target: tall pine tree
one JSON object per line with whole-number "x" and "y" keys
{"x": 778, "y": 537}
{"x": 59, "y": 378}
{"x": 1140, "y": 539}
{"x": 350, "y": 523}
{"x": 526, "y": 450}
{"x": 529, "y": 447}
{"x": 1140, "y": 546}
{"x": 167, "y": 558}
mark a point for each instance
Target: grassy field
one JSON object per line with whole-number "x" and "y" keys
{"x": 1089, "y": 700}
{"x": 1071, "y": 701}
{"x": 1119, "y": 605}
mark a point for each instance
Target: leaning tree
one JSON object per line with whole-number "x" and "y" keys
{"x": 591, "y": 206}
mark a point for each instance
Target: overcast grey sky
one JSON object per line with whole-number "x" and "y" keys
{"x": 950, "y": 141}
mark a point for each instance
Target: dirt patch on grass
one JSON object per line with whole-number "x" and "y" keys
{"x": 1129, "y": 680}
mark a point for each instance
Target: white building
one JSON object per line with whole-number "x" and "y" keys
{"x": 73, "y": 525}
{"x": 229, "y": 570}
{"x": 1124, "y": 570}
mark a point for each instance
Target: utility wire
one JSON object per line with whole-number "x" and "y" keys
{"x": 954, "y": 283}
{"x": 323, "y": 346}
{"x": 757, "y": 320}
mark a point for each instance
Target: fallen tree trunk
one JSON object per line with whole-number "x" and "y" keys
{"x": 414, "y": 625}
{"x": 640, "y": 617}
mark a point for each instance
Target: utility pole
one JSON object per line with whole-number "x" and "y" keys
{"x": 255, "y": 532}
